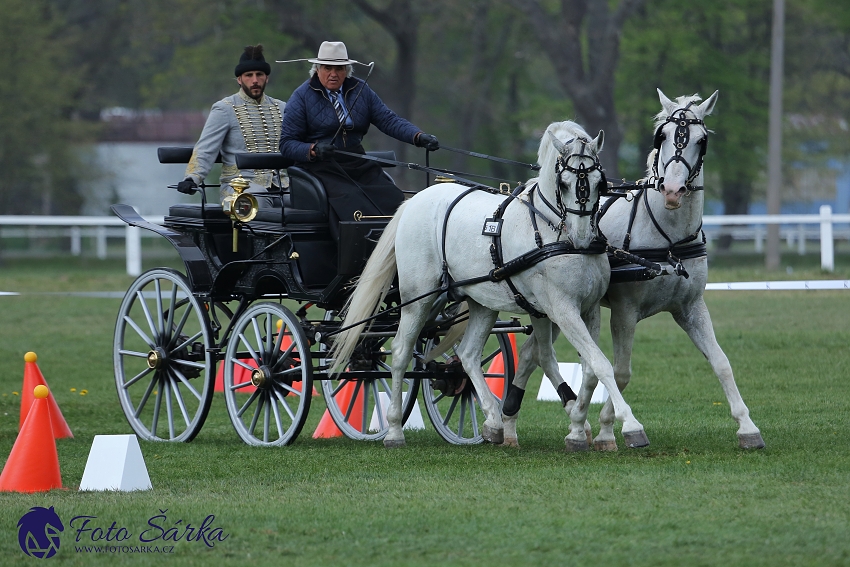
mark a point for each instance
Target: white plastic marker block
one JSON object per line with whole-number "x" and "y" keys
{"x": 571, "y": 373}
{"x": 115, "y": 463}
{"x": 413, "y": 422}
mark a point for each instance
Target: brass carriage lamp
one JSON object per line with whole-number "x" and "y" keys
{"x": 240, "y": 207}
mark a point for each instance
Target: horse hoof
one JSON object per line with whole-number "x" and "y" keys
{"x": 574, "y": 446}
{"x": 589, "y": 434}
{"x": 494, "y": 436}
{"x": 393, "y": 443}
{"x": 636, "y": 439}
{"x": 511, "y": 442}
{"x": 750, "y": 441}
{"x": 605, "y": 445}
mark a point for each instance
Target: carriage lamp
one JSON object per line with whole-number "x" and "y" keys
{"x": 239, "y": 206}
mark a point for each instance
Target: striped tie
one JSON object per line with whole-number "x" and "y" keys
{"x": 336, "y": 99}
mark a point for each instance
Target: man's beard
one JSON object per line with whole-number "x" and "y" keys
{"x": 247, "y": 90}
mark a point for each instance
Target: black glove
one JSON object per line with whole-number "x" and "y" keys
{"x": 188, "y": 186}
{"x": 428, "y": 142}
{"x": 324, "y": 151}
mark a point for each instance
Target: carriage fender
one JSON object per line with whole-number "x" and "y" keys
{"x": 197, "y": 270}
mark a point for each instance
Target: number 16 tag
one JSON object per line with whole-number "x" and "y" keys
{"x": 492, "y": 227}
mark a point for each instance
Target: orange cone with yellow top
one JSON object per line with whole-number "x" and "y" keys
{"x": 33, "y": 464}
{"x": 32, "y": 378}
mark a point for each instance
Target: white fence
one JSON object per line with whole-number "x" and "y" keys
{"x": 794, "y": 229}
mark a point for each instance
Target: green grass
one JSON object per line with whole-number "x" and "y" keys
{"x": 691, "y": 498}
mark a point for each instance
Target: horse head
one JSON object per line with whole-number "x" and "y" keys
{"x": 681, "y": 139}
{"x": 572, "y": 177}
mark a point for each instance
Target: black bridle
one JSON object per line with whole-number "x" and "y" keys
{"x": 681, "y": 139}
{"x": 582, "y": 185}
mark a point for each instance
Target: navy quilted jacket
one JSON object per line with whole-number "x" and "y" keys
{"x": 310, "y": 117}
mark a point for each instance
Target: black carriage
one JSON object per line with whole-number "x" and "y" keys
{"x": 253, "y": 316}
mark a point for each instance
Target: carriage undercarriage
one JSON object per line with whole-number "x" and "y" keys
{"x": 254, "y": 315}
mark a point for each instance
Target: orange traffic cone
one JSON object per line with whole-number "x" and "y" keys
{"x": 32, "y": 378}
{"x": 327, "y": 428}
{"x": 497, "y": 366}
{"x": 33, "y": 464}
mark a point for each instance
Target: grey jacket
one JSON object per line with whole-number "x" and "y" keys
{"x": 238, "y": 124}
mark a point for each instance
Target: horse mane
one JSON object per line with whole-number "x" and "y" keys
{"x": 547, "y": 154}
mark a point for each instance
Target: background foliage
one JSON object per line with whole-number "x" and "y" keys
{"x": 483, "y": 75}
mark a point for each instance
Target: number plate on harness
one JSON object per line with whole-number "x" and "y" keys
{"x": 492, "y": 227}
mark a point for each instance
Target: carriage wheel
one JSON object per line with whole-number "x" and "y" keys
{"x": 268, "y": 376}
{"x": 163, "y": 367}
{"x": 451, "y": 401}
{"x": 358, "y": 406}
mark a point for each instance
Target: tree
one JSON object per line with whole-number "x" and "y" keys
{"x": 582, "y": 41}
{"x": 39, "y": 163}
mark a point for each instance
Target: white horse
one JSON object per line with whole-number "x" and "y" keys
{"x": 565, "y": 287}
{"x": 676, "y": 207}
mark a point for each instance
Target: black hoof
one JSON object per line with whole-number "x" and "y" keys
{"x": 574, "y": 446}
{"x": 751, "y": 441}
{"x": 636, "y": 439}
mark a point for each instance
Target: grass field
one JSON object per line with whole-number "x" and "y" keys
{"x": 691, "y": 498}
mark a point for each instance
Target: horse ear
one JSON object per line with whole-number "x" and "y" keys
{"x": 598, "y": 141}
{"x": 559, "y": 145}
{"x": 706, "y": 107}
{"x": 667, "y": 104}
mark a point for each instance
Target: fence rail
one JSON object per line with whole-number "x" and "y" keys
{"x": 793, "y": 229}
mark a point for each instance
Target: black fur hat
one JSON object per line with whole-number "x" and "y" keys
{"x": 252, "y": 60}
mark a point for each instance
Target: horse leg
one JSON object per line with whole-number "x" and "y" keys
{"x": 411, "y": 321}
{"x": 696, "y": 321}
{"x": 623, "y": 333}
{"x": 578, "y": 335}
{"x": 481, "y": 321}
{"x": 528, "y": 362}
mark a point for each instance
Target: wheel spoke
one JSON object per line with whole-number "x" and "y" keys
{"x": 185, "y": 381}
{"x": 172, "y": 307}
{"x": 339, "y": 387}
{"x": 168, "y": 407}
{"x": 256, "y": 414}
{"x": 365, "y": 413}
{"x": 242, "y": 364}
{"x": 352, "y": 402}
{"x": 178, "y": 330}
{"x": 137, "y": 377}
{"x": 277, "y": 421}
{"x": 266, "y": 413}
{"x": 133, "y": 353}
{"x": 462, "y": 419}
{"x": 187, "y": 341}
{"x": 244, "y": 407}
{"x": 283, "y": 403}
{"x": 141, "y": 333}
{"x": 378, "y": 409}
{"x": 145, "y": 397}
{"x": 181, "y": 404}
{"x": 156, "y": 407}
{"x": 147, "y": 312}
{"x": 451, "y": 411}
{"x": 259, "y": 343}
{"x": 492, "y": 355}
{"x": 250, "y": 350}
{"x": 158, "y": 287}
{"x": 473, "y": 414}
{"x": 190, "y": 363}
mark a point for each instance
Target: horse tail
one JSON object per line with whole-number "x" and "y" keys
{"x": 372, "y": 286}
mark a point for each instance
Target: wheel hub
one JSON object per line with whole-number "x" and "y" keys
{"x": 155, "y": 358}
{"x": 260, "y": 376}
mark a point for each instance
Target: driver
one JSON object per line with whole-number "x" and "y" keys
{"x": 246, "y": 122}
{"x": 333, "y": 111}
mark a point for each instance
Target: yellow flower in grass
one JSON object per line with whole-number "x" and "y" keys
{"x": 15, "y": 394}
{"x": 73, "y": 389}
{"x": 83, "y": 392}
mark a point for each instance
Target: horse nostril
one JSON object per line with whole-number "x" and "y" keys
{"x": 682, "y": 190}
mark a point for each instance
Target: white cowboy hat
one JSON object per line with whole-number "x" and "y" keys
{"x": 333, "y": 53}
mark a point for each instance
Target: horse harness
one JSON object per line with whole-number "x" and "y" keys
{"x": 681, "y": 138}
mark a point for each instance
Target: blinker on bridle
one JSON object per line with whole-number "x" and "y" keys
{"x": 681, "y": 139}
